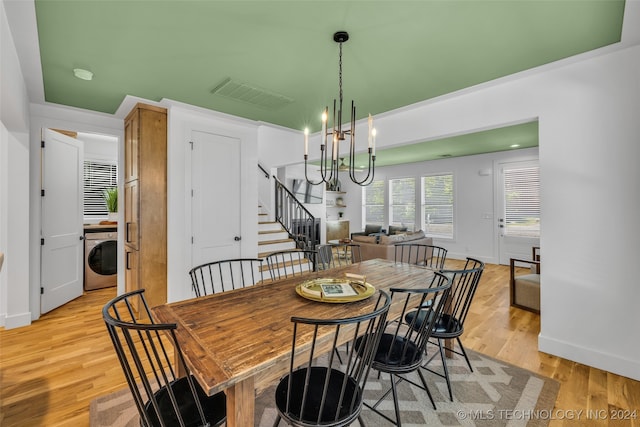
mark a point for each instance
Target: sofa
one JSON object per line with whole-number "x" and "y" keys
{"x": 371, "y": 229}
{"x": 383, "y": 246}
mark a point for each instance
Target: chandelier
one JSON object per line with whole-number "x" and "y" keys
{"x": 329, "y": 167}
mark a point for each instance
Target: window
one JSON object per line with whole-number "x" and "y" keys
{"x": 437, "y": 205}
{"x": 97, "y": 177}
{"x": 373, "y": 203}
{"x": 522, "y": 202}
{"x": 402, "y": 202}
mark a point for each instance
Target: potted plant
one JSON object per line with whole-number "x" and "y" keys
{"x": 110, "y": 196}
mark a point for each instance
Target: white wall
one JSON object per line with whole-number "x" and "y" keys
{"x": 183, "y": 120}
{"x": 14, "y": 226}
{"x": 589, "y": 151}
{"x": 14, "y": 169}
{"x": 99, "y": 147}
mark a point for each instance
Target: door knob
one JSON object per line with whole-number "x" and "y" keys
{"x": 237, "y": 238}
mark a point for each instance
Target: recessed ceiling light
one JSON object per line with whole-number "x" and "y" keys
{"x": 83, "y": 74}
{"x": 514, "y": 145}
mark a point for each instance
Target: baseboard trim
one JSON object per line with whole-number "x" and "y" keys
{"x": 17, "y": 320}
{"x": 590, "y": 357}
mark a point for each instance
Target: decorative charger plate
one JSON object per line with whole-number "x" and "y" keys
{"x": 333, "y": 290}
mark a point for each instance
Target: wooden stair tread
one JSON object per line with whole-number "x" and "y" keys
{"x": 272, "y": 231}
{"x": 273, "y": 242}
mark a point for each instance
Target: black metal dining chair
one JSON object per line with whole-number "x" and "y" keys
{"x": 290, "y": 263}
{"x": 225, "y": 275}
{"x": 419, "y": 254}
{"x": 318, "y": 391}
{"x": 333, "y": 256}
{"x": 450, "y": 324}
{"x": 402, "y": 345}
{"x": 151, "y": 359}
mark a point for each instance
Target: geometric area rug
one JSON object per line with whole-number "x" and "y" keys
{"x": 496, "y": 393}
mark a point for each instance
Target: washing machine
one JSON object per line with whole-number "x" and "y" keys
{"x": 100, "y": 259}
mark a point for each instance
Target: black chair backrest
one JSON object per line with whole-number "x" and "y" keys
{"x": 284, "y": 264}
{"x": 464, "y": 284}
{"x": 333, "y": 256}
{"x": 225, "y": 275}
{"x": 403, "y": 344}
{"x": 320, "y": 390}
{"x": 419, "y": 254}
{"x": 151, "y": 358}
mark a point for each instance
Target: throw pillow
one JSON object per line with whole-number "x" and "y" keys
{"x": 391, "y": 240}
{"x": 394, "y": 229}
{"x": 365, "y": 239}
{"x": 370, "y": 229}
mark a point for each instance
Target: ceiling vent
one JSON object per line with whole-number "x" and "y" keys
{"x": 250, "y": 94}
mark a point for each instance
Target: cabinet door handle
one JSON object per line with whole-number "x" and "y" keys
{"x": 237, "y": 238}
{"x": 126, "y": 261}
{"x": 126, "y": 232}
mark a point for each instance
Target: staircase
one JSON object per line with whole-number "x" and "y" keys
{"x": 272, "y": 237}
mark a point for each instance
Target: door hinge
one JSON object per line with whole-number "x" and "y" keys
{"x": 41, "y": 290}
{"x": 192, "y": 240}
{"x": 41, "y": 242}
{"x": 42, "y": 193}
{"x": 42, "y": 144}
{"x": 191, "y": 192}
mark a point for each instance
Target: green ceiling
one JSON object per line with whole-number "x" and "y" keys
{"x": 502, "y": 139}
{"x": 400, "y": 52}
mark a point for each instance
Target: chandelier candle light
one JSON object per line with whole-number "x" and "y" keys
{"x": 329, "y": 168}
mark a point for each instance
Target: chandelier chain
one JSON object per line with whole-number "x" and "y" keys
{"x": 340, "y": 76}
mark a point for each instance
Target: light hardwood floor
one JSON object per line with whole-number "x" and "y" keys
{"x": 51, "y": 370}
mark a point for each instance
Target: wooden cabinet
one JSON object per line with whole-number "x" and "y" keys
{"x": 337, "y": 225}
{"x": 131, "y": 214}
{"x": 145, "y": 202}
{"x": 131, "y": 149}
{"x": 337, "y": 230}
{"x": 131, "y": 270}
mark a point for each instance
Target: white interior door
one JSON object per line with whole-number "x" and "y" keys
{"x": 61, "y": 225}
{"x": 215, "y": 203}
{"x": 518, "y": 199}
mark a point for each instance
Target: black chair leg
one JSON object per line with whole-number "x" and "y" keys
{"x": 277, "y": 421}
{"x": 464, "y": 353}
{"x": 444, "y": 367}
{"x": 395, "y": 401}
{"x": 426, "y": 388}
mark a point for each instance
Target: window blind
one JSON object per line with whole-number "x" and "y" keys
{"x": 522, "y": 201}
{"x": 437, "y": 205}
{"x": 373, "y": 203}
{"x": 98, "y": 176}
{"x": 402, "y": 201}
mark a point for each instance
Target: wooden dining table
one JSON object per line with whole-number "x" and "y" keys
{"x": 240, "y": 341}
